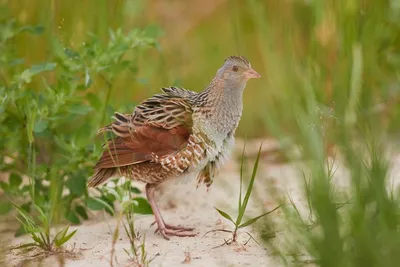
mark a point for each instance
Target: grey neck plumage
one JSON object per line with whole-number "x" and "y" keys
{"x": 225, "y": 98}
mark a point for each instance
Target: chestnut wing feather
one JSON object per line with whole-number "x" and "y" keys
{"x": 159, "y": 126}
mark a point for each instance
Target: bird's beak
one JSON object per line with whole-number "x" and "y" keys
{"x": 252, "y": 74}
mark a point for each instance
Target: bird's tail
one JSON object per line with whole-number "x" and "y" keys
{"x": 101, "y": 176}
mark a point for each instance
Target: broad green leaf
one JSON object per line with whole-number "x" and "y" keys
{"x": 95, "y": 203}
{"x": 77, "y": 185}
{"x": 15, "y": 180}
{"x": 243, "y": 207}
{"x": 112, "y": 194}
{"x": 40, "y": 126}
{"x": 25, "y": 188}
{"x": 225, "y": 215}
{"x": 251, "y": 221}
{"x": 81, "y": 212}
{"x": 72, "y": 217}
{"x": 4, "y": 186}
{"x": 142, "y": 206}
{"x": 135, "y": 190}
{"x": 5, "y": 207}
{"x": 36, "y": 69}
{"x": 80, "y": 109}
{"x": 26, "y": 75}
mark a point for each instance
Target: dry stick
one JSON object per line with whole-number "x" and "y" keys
{"x": 251, "y": 237}
{"x": 218, "y": 230}
{"x": 227, "y": 242}
{"x": 115, "y": 237}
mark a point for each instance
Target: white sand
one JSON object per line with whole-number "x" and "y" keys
{"x": 183, "y": 204}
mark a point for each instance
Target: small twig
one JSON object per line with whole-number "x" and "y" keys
{"x": 29, "y": 245}
{"x": 251, "y": 237}
{"x": 227, "y": 242}
{"x": 245, "y": 243}
{"x": 217, "y": 230}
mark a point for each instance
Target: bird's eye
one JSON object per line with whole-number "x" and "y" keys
{"x": 235, "y": 68}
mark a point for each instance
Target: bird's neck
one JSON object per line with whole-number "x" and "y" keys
{"x": 222, "y": 101}
{"x": 223, "y": 93}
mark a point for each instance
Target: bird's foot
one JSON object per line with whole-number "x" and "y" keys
{"x": 178, "y": 228}
{"x": 166, "y": 233}
{"x": 171, "y": 230}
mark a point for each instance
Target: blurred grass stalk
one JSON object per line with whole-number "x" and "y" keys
{"x": 329, "y": 64}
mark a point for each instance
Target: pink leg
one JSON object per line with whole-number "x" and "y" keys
{"x": 165, "y": 229}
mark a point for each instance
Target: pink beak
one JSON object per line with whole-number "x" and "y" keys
{"x": 252, "y": 74}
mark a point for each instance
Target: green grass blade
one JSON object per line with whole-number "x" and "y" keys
{"x": 241, "y": 177}
{"x": 62, "y": 233}
{"x": 42, "y": 217}
{"x": 251, "y": 221}
{"x": 37, "y": 239}
{"x": 225, "y": 215}
{"x": 65, "y": 238}
{"x": 243, "y": 207}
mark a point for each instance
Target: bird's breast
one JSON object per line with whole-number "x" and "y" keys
{"x": 220, "y": 146}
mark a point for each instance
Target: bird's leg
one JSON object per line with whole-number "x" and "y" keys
{"x": 164, "y": 229}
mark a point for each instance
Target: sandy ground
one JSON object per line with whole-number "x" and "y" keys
{"x": 183, "y": 204}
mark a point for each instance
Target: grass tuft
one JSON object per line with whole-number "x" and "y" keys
{"x": 242, "y": 206}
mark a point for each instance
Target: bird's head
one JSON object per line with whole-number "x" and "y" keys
{"x": 237, "y": 69}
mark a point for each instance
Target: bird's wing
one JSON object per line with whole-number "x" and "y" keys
{"x": 178, "y": 92}
{"x": 164, "y": 110}
{"x": 160, "y": 126}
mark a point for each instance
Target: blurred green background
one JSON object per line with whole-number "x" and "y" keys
{"x": 278, "y": 37}
{"x": 331, "y": 85}
{"x": 194, "y": 40}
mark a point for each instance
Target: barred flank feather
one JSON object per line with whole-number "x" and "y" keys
{"x": 101, "y": 176}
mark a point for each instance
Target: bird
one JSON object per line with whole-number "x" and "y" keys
{"x": 176, "y": 133}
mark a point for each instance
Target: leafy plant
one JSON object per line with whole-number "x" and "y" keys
{"x": 40, "y": 233}
{"x": 130, "y": 205}
{"x": 137, "y": 250}
{"x": 242, "y": 204}
{"x": 49, "y": 114}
